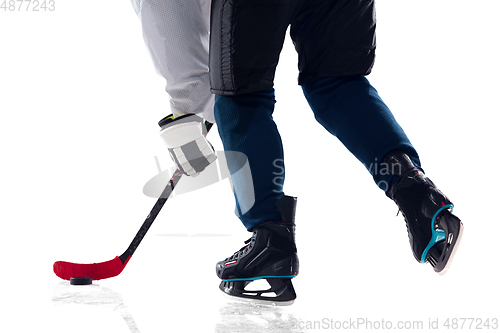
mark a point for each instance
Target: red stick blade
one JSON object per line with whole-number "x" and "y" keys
{"x": 97, "y": 271}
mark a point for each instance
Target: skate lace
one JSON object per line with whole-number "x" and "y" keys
{"x": 248, "y": 245}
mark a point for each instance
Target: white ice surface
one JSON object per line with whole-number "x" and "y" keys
{"x": 79, "y": 102}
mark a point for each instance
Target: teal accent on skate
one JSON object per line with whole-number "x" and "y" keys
{"x": 261, "y": 277}
{"x": 437, "y": 235}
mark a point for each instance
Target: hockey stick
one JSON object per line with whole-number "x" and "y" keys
{"x": 107, "y": 269}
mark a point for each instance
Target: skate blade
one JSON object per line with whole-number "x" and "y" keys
{"x": 454, "y": 251}
{"x": 251, "y": 301}
{"x": 281, "y": 291}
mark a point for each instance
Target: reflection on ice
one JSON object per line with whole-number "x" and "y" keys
{"x": 248, "y": 316}
{"x": 65, "y": 294}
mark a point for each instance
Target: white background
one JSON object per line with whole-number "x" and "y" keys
{"x": 79, "y": 102}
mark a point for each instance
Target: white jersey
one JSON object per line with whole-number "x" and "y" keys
{"x": 176, "y": 33}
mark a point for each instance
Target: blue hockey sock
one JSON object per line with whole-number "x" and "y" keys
{"x": 352, "y": 110}
{"x": 246, "y": 126}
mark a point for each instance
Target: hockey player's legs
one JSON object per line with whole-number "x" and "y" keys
{"x": 344, "y": 102}
{"x": 352, "y": 110}
{"x": 177, "y": 36}
{"x": 246, "y": 126}
{"x": 246, "y": 39}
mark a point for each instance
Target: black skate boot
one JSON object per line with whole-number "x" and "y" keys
{"x": 434, "y": 231}
{"x": 269, "y": 254}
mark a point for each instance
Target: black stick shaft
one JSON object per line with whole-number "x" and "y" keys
{"x": 155, "y": 211}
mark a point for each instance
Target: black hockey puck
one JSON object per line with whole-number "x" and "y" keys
{"x": 80, "y": 281}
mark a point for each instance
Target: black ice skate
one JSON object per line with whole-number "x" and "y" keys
{"x": 269, "y": 254}
{"x": 434, "y": 231}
